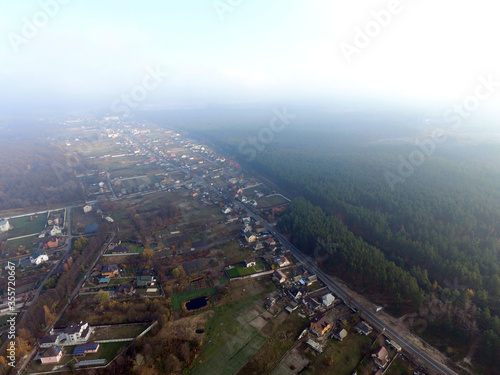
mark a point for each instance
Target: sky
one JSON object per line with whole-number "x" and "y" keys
{"x": 58, "y": 53}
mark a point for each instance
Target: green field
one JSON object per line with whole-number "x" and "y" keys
{"x": 346, "y": 355}
{"x": 177, "y": 299}
{"x": 232, "y": 344}
{"x": 25, "y": 241}
{"x": 22, "y": 226}
{"x": 119, "y": 331}
{"x": 121, "y": 280}
{"x": 239, "y": 270}
{"x": 271, "y": 201}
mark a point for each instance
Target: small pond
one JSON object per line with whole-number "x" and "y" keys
{"x": 196, "y": 303}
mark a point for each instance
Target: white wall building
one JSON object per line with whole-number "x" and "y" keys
{"x": 38, "y": 258}
{"x": 4, "y": 225}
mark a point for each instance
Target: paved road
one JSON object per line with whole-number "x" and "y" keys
{"x": 420, "y": 355}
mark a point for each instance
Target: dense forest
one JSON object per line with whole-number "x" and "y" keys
{"x": 35, "y": 175}
{"x": 436, "y": 235}
{"x": 428, "y": 244}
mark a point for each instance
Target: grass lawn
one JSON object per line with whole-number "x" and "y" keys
{"x": 229, "y": 344}
{"x": 177, "y": 299}
{"x": 118, "y": 331}
{"x": 239, "y": 270}
{"x": 282, "y": 338}
{"x": 274, "y": 200}
{"x": 121, "y": 280}
{"x": 107, "y": 350}
{"x": 346, "y": 355}
{"x": 26, "y": 242}
{"x": 22, "y": 225}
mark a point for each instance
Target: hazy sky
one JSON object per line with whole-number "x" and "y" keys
{"x": 92, "y": 52}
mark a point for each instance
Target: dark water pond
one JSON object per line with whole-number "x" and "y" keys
{"x": 196, "y": 303}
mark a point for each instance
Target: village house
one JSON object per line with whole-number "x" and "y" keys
{"x": 311, "y": 279}
{"x": 315, "y": 345}
{"x": 340, "y": 334}
{"x": 120, "y": 249}
{"x": 380, "y": 356}
{"x": 38, "y": 257}
{"x": 4, "y": 225}
{"x": 363, "y": 329}
{"x": 279, "y": 276}
{"x": 249, "y": 263}
{"x": 283, "y": 262}
{"x": 76, "y": 333}
{"x": 258, "y": 246}
{"x": 126, "y": 289}
{"x": 55, "y": 219}
{"x": 320, "y": 324}
{"x": 250, "y": 237}
{"x": 109, "y": 270}
{"x": 295, "y": 294}
{"x": 52, "y": 355}
{"x": 51, "y": 243}
{"x": 328, "y": 299}
{"x": 55, "y": 231}
{"x": 146, "y": 281}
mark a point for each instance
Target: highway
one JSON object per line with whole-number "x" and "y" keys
{"x": 417, "y": 353}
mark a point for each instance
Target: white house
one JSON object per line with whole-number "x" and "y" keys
{"x": 249, "y": 263}
{"x": 4, "y": 225}
{"x": 55, "y": 231}
{"x": 328, "y": 299}
{"x": 38, "y": 257}
{"x": 283, "y": 262}
{"x": 75, "y": 334}
{"x": 87, "y": 208}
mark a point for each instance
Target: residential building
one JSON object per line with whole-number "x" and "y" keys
{"x": 328, "y": 299}
{"x": 109, "y": 270}
{"x": 340, "y": 334}
{"x": 55, "y": 231}
{"x": 363, "y": 328}
{"x": 146, "y": 281}
{"x": 279, "y": 276}
{"x": 4, "y": 225}
{"x": 76, "y": 333}
{"x": 380, "y": 356}
{"x": 51, "y": 243}
{"x": 320, "y": 324}
{"x": 315, "y": 345}
{"x": 52, "y": 355}
{"x": 295, "y": 294}
{"x": 120, "y": 249}
{"x": 127, "y": 289}
{"x": 250, "y": 237}
{"x": 311, "y": 279}
{"x": 283, "y": 262}
{"x": 249, "y": 263}
{"x": 38, "y": 257}
{"x": 87, "y": 208}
